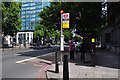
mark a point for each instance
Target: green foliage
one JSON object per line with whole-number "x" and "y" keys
{"x": 11, "y": 22}
{"x": 38, "y": 33}
{"x": 85, "y": 17}
{"x": 55, "y": 34}
{"x": 77, "y": 38}
{"x": 67, "y": 35}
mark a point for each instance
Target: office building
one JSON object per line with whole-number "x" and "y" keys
{"x": 30, "y": 18}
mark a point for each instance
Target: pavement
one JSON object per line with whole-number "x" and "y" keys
{"x": 106, "y": 67}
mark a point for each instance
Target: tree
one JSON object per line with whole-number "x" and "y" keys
{"x": 67, "y": 35}
{"x": 85, "y": 17}
{"x": 11, "y": 22}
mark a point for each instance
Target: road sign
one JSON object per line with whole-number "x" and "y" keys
{"x": 65, "y": 24}
{"x": 66, "y": 15}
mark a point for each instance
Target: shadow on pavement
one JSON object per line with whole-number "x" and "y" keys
{"x": 51, "y": 71}
{"x": 104, "y": 58}
{"x": 37, "y": 52}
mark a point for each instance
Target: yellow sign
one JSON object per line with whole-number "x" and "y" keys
{"x": 65, "y": 24}
{"x": 93, "y": 39}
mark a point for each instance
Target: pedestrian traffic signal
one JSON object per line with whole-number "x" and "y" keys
{"x": 93, "y": 39}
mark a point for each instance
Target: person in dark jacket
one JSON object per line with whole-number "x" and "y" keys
{"x": 83, "y": 51}
{"x": 71, "y": 50}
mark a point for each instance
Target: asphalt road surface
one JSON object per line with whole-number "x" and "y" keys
{"x": 10, "y": 69}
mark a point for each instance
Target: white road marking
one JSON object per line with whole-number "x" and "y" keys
{"x": 21, "y": 61}
{"x": 24, "y": 60}
{"x": 36, "y": 65}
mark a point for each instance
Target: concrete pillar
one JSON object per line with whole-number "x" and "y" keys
{"x": 26, "y": 37}
{"x": 29, "y": 37}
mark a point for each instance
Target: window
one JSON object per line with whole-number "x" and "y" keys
{"x": 38, "y": 10}
{"x": 25, "y": 5}
{"x": 32, "y": 23}
{"x": 23, "y": 16}
{"x": 37, "y": 18}
{"x": 27, "y": 16}
{"x": 38, "y": 2}
{"x": 32, "y": 19}
{"x": 23, "y": 24}
{"x": 23, "y": 12}
{"x": 32, "y": 8}
{"x": 32, "y": 4}
{"x": 23, "y": 19}
{"x": 30, "y": 27}
{"x": 39, "y": 6}
{"x": 33, "y": 15}
{"x": 23, "y": 8}
{"x": 33, "y": 11}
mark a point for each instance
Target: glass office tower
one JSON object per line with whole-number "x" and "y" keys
{"x": 29, "y": 15}
{"x": 30, "y": 18}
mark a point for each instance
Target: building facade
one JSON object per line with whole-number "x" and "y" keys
{"x": 30, "y": 18}
{"x": 111, "y": 32}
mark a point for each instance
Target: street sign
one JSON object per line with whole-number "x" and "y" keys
{"x": 65, "y": 17}
{"x": 65, "y": 24}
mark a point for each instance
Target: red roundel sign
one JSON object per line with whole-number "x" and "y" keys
{"x": 65, "y": 15}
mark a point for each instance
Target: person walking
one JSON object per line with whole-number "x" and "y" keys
{"x": 71, "y": 50}
{"x": 83, "y": 51}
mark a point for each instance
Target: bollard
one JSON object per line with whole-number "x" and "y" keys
{"x": 65, "y": 68}
{"x": 56, "y": 64}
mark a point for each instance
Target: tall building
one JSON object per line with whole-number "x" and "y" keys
{"x": 111, "y": 33}
{"x": 29, "y": 17}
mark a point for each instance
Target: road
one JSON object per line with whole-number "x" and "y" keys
{"x": 10, "y": 69}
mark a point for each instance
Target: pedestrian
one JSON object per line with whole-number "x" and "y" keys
{"x": 82, "y": 51}
{"x": 71, "y": 50}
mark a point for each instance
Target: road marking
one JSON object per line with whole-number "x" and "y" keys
{"x": 42, "y": 71}
{"x": 24, "y": 60}
{"x": 21, "y": 61}
{"x": 36, "y": 65}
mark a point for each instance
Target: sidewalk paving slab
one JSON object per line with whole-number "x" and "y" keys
{"x": 106, "y": 70}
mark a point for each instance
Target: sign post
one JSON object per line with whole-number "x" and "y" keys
{"x": 62, "y": 38}
{"x": 64, "y": 24}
